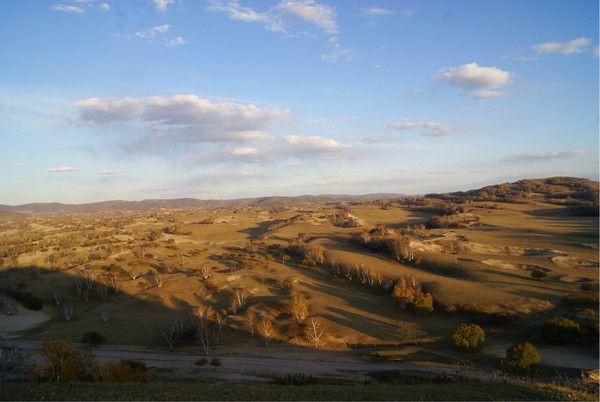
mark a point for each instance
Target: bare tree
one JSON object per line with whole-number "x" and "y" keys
{"x": 88, "y": 281}
{"x": 133, "y": 273}
{"x": 102, "y": 291}
{"x": 67, "y": 311}
{"x": 264, "y": 328}
{"x": 78, "y": 286}
{"x": 85, "y": 295}
{"x": 314, "y": 333}
{"x": 238, "y": 300}
{"x": 205, "y": 271}
{"x": 115, "y": 283}
{"x": 158, "y": 279}
{"x": 57, "y": 297}
{"x": 169, "y": 335}
{"x": 103, "y": 316}
{"x": 207, "y": 328}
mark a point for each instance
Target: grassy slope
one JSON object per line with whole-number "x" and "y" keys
{"x": 199, "y": 391}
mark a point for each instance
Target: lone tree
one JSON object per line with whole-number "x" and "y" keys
{"x": 522, "y": 355}
{"x": 315, "y": 333}
{"x": 468, "y": 336}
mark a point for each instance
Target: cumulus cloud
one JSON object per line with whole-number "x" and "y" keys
{"x": 574, "y": 46}
{"x": 183, "y": 118}
{"x": 424, "y": 127}
{"x": 68, "y": 9}
{"x": 542, "y": 156}
{"x": 162, "y": 5}
{"x": 274, "y": 18}
{"x": 375, "y": 11}
{"x": 62, "y": 169}
{"x": 312, "y": 12}
{"x": 470, "y": 76}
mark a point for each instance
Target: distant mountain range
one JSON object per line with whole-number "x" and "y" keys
{"x": 551, "y": 188}
{"x": 185, "y": 203}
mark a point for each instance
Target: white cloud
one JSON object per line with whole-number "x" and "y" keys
{"x": 376, "y": 11}
{"x": 68, "y": 9}
{"x": 103, "y": 7}
{"x": 574, "y": 46}
{"x": 244, "y": 151}
{"x": 162, "y": 5}
{"x": 424, "y": 127}
{"x": 182, "y": 118}
{"x": 175, "y": 42}
{"x": 476, "y": 81}
{"x": 62, "y": 169}
{"x": 237, "y": 12}
{"x": 312, "y": 12}
{"x": 153, "y": 32}
{"x": 273, "y": 19}
{"x": 485, "y": 94}
{"x": 339, "y": 54}
{"x": 471, "y": 75}
{"x": 541, "y": 156}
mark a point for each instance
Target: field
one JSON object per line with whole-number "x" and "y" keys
{"x": 139, "y": 278}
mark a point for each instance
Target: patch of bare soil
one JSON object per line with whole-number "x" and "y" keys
{"x": 573, "y": 262}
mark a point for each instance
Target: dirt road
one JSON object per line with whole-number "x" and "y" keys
{"x": 253, "y": 368}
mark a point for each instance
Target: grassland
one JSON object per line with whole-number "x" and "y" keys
{"x": 159, "y": 267}
{"x": 184, "y": 391}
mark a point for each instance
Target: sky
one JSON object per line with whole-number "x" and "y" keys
{"x": 145, "y": 99}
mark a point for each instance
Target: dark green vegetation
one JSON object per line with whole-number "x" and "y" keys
{"x": 201, "y": 391}
{"x": 522, "y": 355}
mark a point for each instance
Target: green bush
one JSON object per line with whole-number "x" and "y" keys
{"x": 423, "y": 303}
{"x": 562, "y": 331}
{"x": 522, "y": 355}
{"x": 468, "y": 336}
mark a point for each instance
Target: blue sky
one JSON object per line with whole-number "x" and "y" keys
{"x": 142, "y": 99}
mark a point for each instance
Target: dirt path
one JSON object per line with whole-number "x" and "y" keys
{"x": 252, "y": 368}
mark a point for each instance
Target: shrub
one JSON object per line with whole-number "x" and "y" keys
{"x": 423, "y": 303}
{"x": 522, "y": 355}
{"x": 561, "y": 330}
{"x": 123, "y": 371}
{"x": 201, "y": 362}
{"x": 65, "y": 363}
{"x": 538, "y": 274}
{"x": 93, "y": 338}
{"x": 468, "y": 336}
{"x": 215, "y": 362}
